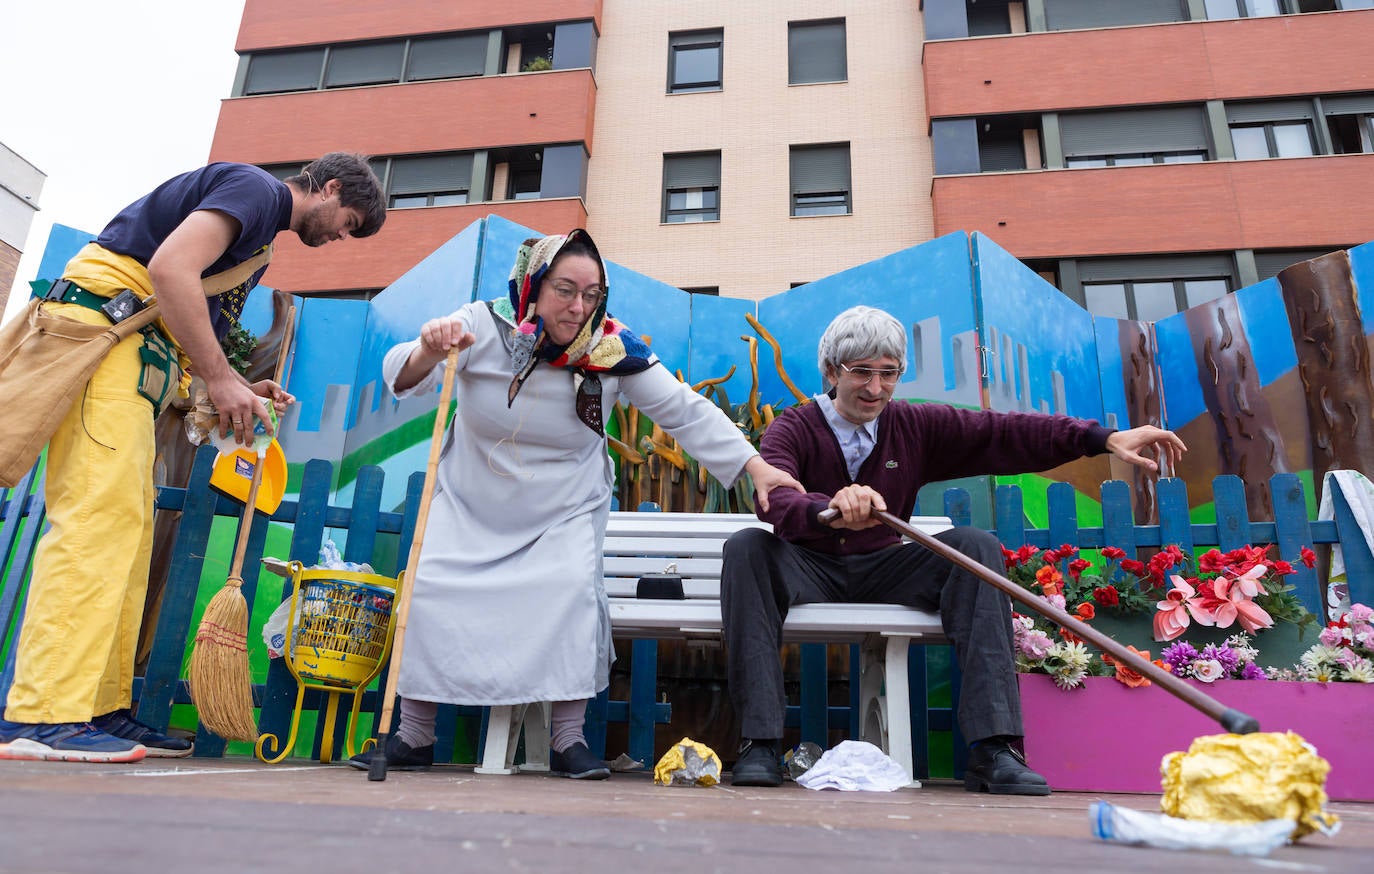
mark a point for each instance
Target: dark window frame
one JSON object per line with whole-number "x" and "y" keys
{"x": 670, "y": 215}
{"x": 1271, "y": 141}
{"x": 1180, "y": 292}
{"x": 1127, "y": 159}
{"x": 710, "y": 38}
{"x": 812, "y": 201}
{"x": 816, "y": 25}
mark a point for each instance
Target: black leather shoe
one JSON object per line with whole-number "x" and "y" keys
{"x": 400, "y": 756}
{"x": 997, "y": 767}
{"x": 578, "y": 763}
{"x": 757, "y": 765}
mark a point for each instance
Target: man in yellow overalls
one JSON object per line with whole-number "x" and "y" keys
{"x": 73, "y": 679}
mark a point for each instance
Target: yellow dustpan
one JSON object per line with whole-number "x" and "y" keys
{"x": 233, "y": 474}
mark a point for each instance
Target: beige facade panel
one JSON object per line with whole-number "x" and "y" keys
{"x": 757, "y": 248}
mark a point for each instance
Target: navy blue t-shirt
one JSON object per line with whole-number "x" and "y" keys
{"x": 260, "y": 203}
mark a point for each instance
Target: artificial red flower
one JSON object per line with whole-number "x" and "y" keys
{"x": 1107, "y": 596}
{"x": 1050, "y": 580}
{"x": 1113, "y": 552}
{"x": 1213, "y": 561}
{"x": 1282, "y": 568}
{"x": 1131, "y": 566}
{"x": 1078, "y": 566}
{"x": 1309, "y": 557}
{"x": 1086, "y": 612}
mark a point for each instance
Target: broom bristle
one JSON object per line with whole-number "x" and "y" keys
{"x": 221, "y": 682}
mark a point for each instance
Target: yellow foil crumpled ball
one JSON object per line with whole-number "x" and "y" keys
{"x": 1249, "y": 778}
{"x": 688, "y": 763}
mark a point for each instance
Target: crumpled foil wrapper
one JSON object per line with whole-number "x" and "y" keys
{"x": 1249, "y": 778}
{"x": 688, "y": 763}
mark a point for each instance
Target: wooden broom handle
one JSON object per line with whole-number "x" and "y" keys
{"x": 413, "y": 560}
{"x": 1232, "y": 720}
{"x": 246, "y": 521}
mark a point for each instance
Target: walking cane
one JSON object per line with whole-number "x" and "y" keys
{"x": 376, "y": 771}
{"x": 1231, "y": 719}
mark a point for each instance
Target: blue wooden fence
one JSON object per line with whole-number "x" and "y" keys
{"x": 22, "y": 511}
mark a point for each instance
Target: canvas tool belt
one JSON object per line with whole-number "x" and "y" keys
{"x": 46, "y": 361}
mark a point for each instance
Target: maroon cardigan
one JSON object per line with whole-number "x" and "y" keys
{"x": 917, "y": 444}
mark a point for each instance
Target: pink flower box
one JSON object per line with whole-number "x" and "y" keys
{"x": 1107, "y": 737}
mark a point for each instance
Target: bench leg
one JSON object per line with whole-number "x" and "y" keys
{"x": 536, "y": 721}
{"x": 872, "y": 719}
{"x": 503, "y": 731}
{"x": 504, "y": 726}
{"x": 897, "y": 706}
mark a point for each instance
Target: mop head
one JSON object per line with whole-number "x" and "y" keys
{"x": 220, "y": 680}
{"x": 1249, "y": 778}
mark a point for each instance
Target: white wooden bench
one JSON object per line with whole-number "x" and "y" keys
{"x": 644, "y": 543}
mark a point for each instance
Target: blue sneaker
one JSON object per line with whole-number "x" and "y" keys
{"x": 64, "y": 742}
{"x": 122, "y": 724}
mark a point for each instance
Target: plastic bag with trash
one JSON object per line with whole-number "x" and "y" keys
{"x": 274, "y": 629}
{"x": 688, "y": 763}
{"x": 856, "y": 765}
{"x": 203, "y": 426}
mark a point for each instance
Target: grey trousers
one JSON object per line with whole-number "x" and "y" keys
{"x": 762, "y": 576}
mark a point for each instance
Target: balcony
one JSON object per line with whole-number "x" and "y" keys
{"x": 1213, "y": 206}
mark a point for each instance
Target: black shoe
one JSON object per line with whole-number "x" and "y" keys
{"x": 997, "y": 767}
{"x": 122, "y": 724}
{"x": 400, "y": 756}
{"x": 758, "y": 765}
{"x": 578, "y": 763}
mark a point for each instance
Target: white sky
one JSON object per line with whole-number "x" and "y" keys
{"x": 109, "y": 99}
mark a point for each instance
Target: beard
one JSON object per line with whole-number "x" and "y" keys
{"x": 316, "y": 228}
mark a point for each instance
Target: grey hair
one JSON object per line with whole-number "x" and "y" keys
{"x": 860, "y": 333}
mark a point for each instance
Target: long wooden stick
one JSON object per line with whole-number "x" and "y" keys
{"x": 377, "y": 768}
{"x": 1231, "y": 719}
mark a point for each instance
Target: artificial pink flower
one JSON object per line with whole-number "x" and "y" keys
{"x": 1174, "y": 612}
{"x": 1236, "y": 605}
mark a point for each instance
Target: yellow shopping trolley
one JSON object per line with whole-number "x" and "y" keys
{"x": 339, "y": 631}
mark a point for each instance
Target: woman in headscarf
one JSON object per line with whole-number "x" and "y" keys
{"x": 508, "y": 605}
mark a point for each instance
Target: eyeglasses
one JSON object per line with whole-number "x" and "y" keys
{"x": 566, "y": 291}
{"x": 861, "y": 375}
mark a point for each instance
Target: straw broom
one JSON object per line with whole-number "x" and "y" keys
{"x": 377, "y": 768}
{"x": 221, "y": 682}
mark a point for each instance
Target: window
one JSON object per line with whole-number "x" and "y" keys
{"x": 1192, "y": 157}
{"x": 429, "y": 180}
{"x": 1350, "y": 119}
{"x": 816, "y": 52}
{"x": 275, "y": 72}
{"x": 283, "y": 171}
{"x": 365, "y": 64}
{"x": 1150, "y": 301}
{"x": 994, "y": 17}
{"x": 691, "y": 187}
{"x": 1269, "y": 263}
{"x": 1156, "y": 135}
{"x": 1075, "y": 14}
{"x": 1153, "y": 287}
{"x": 708, "y": 290}
{"x": 1218, "y": 9}
{"x": 447, "y": 57}
{"x": 820, "y": 180}
{"x": 1292, "y": 139}
{"x": 694, "y": 61}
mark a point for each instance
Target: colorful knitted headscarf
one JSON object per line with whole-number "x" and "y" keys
{"x": 602, "y": 345}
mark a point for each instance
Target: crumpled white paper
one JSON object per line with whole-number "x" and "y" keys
{"x": 855, "y": 766}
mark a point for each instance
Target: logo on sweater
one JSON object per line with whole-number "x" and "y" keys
{"x": 891, "y": 464}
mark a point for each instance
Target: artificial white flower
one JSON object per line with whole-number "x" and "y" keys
{"x": 1208, "y": 670}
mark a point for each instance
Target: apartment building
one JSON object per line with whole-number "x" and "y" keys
{"x": 20, "y": 185}
{"x": 1149, "y": 155}
{"x": 1142, "y": 155}
{"x": 728, "y": 148}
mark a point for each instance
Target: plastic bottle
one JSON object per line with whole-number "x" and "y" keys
{"x": 1126, "y": 826}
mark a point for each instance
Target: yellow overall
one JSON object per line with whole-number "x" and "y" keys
{"x": 76, "y": 650}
